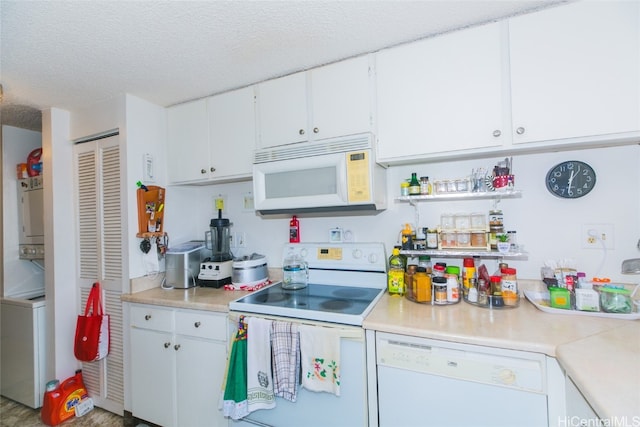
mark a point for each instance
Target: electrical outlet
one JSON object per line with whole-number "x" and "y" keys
{"x": 241, "y": 239}
{"x": 220, "y": 203}
{"x": 593, "y": 236}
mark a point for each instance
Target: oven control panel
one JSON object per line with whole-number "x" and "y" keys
{"x": 342, "y": 256}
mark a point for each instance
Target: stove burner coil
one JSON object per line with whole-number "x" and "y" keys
{"x": 336, "y": 305}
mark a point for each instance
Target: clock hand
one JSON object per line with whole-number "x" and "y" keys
{"x": 573, "y": 175}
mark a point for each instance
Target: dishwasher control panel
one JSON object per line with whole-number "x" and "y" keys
{"x": 501, "y": 367}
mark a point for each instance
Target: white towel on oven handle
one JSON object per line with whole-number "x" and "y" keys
{"x": 259, "y": 378}
{"x": 320, "y": 358}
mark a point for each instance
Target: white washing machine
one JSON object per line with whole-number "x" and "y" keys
{"x": 23, "y": 356}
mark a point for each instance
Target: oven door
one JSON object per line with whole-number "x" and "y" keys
{"x": 316, "y": 408}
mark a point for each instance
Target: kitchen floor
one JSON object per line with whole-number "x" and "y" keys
{"x": 15, "y": 414}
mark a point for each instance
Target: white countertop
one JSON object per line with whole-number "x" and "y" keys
{"x": 601, "y": 355}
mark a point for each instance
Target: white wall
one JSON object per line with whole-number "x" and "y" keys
{"x": 16, "y": 145}
{"x": 548, "y": 227}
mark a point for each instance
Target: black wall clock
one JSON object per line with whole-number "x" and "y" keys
{"x": 571, "y": 179}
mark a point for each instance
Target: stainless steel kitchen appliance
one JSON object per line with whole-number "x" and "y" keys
{"x": 182, "y": 264}
{"x": 216, "y": 270}
{"x": 345, "y": 282}
{"x": 249, "y": 270}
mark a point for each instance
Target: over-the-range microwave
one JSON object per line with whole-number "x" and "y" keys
{"x": 326, "y": 176}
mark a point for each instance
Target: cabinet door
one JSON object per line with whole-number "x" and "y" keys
{"x": 153, "y": 376}
{"x": 282, "y": 110}
{"x": 341, "y": 99}
{"x": 575, "y": 71}
{"x": 232, "y": 133}
{"x": 188, "y": 142}
{"x": 200, "y": 369}
{"x": 441, "y": 94}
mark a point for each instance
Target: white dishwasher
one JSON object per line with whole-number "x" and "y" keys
{"x": 428, "y": 382}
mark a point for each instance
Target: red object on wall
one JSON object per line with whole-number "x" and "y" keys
{"x": 34, "y": 166}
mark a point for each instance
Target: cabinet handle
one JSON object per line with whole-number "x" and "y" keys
{"x": 497, "y": 133}
{"x": 197, "y": 324}
{"x": 167, "y": 344}
{"x": 176, "y": 347}
{"x": 520, "y": 130}
{"x": 212, "y": 169}
{"x": 301, "y": 131}
{"x": 316, "y": 130}
{"x": 147, "y": 317}
{"x": 203, "y": 171}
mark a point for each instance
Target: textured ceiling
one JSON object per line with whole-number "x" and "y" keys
{"x": 70, "y": 54}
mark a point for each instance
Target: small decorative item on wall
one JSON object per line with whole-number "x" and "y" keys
{"x": 571, "y": 179}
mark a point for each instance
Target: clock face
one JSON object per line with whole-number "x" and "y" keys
{"x": 571, "y": 179}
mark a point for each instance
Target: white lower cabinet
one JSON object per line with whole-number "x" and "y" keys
{"x": 579, "y": 412}
{"x": 178, "y": 359}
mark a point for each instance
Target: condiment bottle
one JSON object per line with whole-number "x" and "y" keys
{"x": 468, "y": 274}
{"x": 409, "y": 285}
{"x": 453, "y": 285}
{"x": 422, "y": 285}
{"x": 294, "y": 230}
{"x": 439, "y": 290}
{"x": 432, "y": 238}
{"x": 438, "y": 270}
{"x": 404, "y": 188}
{"x": 509, "y": 286}
{"x": 424, "y": 261}
{"x": 395, "y": 275}
{"x": 414, "y": 185}
{"x": 496, "y": 286}
{"x": 407, "y": 237}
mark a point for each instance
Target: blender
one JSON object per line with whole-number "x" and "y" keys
{"x": 215, "y": 271}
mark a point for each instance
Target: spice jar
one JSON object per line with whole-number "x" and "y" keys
{"x": 496, "y": 285}
{"x": 432, "y": 239}
{"x": 509, "y": 286}
{"x": 422, "y": 285}
{"x": 496, "y": 217}
{"x": 439, "y": 290}
{"x": 479, "y": 239}
{"x": 404, "y": 188}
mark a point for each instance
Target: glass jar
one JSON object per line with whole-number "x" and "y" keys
{"x": 448, "y": 239}
{"x": 424, "y": 185}
{"x": 478, "y": 220}
{"x": 404, "y": 188}
{"x": 422, "y": 285}
{"x": 447, "y": 221}
{"x": 494, "y": 230}
{"x": 509, "y": 286}
{"x": 451, "y": 186}
{"x": 440, "y": 186}
{"x": 432, "y": 239}
{"x": 463, "y": 239}
{"x": 496, "y": 218}
{"x": 479, "y": 239}
{"x": 462, "y": 221}
{"x": 439, "y": 290}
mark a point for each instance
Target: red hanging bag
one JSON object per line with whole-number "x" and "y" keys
{"x": 92, "y": 329}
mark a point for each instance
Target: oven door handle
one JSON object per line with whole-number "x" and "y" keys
{"x": 255, "y": 423}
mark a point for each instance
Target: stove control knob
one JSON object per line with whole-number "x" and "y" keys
{"x": 357, "y": 253}
{"x": 303, "y": 252}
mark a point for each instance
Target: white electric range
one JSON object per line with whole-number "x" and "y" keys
{"x": 345, "y": 282}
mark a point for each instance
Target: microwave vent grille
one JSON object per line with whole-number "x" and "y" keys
{"x": 311, "y": 149}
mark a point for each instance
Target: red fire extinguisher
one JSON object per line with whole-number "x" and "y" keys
{"x": 294, "y": 230}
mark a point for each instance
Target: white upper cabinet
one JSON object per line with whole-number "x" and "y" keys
{"x": 188, "y": 142}
{"x": 232, "y": 132}
{"x": 326, "y": 102}
{"x": 213, "y": 139}
{"x": 441, "y": 95}
{"x": 575, "y": 71}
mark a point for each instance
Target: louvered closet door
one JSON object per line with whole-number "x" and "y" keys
{"x": 100, "y": 199}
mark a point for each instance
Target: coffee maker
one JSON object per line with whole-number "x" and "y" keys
{"x": 216, "y": 270}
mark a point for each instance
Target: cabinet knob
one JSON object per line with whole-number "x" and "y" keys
{"x": 197, "y": 324}
{"x": 520, "y": 130}
{"x": 203, "y": 171}
{"x": 497, "y": 133}
{"x": 316, "y": 130}
{"x": 147, "y": 317}
{"x": 176, "y": 347}
{"x": 167, "y": 344}
{"x": 212, "y": 169}
{"x": 301, "y": 131}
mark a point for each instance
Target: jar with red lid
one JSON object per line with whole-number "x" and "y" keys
{"x": 509, "y": 286}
